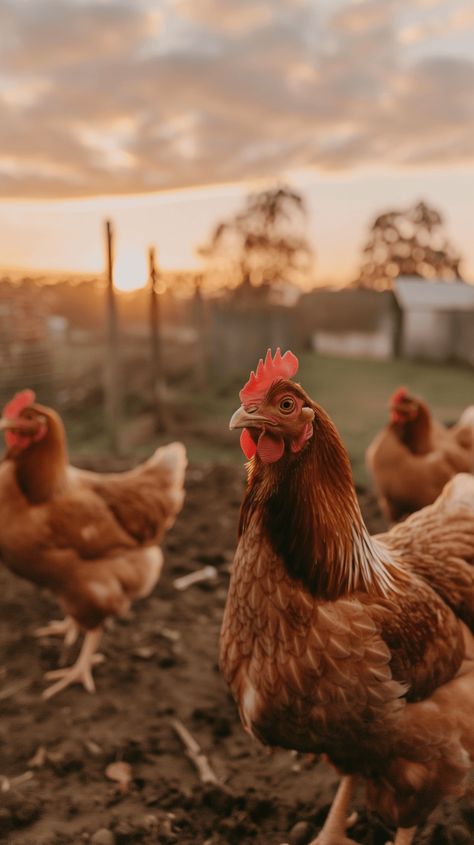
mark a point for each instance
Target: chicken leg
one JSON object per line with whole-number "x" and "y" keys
{"x": 66, "y": 628}
{"x": 81, "y": 671}
{"x": 333, "y": 831}
{"x": 403, "y": 836}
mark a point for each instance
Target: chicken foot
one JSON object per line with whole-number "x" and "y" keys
{"x": 333, "y": 831}
{"x": 81, "y": 671}
{"x": 67, "y": 628}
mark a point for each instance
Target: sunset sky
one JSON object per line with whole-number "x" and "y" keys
{"x": 162, "y": 114}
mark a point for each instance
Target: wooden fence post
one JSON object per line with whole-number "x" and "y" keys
{"x": 112, "y": 390}
{"x": 159, "y": 385}
{"x": 201, "y": 328}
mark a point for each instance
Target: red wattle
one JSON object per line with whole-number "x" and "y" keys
{"x": 15, "y": 440}
{"x": 269, "y": 448}
{"x": 247, "y": 444}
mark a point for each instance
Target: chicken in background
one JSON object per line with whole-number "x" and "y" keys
{"x": 92, "y": 539}
{"x": 414, "y": 456}
{"x": 339, "y": 643}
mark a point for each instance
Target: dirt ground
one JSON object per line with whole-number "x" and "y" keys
{"x": 161, "y": 664}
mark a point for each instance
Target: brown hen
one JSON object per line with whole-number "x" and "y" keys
{"x": 340, "y": 643}
{"x": 91, "y": 539}
{"x": 414, "y": 456}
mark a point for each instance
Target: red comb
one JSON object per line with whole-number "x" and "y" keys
{"x": 16, "y": 405}
{"x": 400, "y": 394}
{"x": 267, "y": 372}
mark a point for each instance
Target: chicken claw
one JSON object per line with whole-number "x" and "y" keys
{"x": 403, "y": 836}
{"x": 66, "y": 628}
{"x": 80, "y": 672}
{"x": 334, "y": 828}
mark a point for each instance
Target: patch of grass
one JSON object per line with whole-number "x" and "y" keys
{"x": 354, "y": 392}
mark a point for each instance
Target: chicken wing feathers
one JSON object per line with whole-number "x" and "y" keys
{"x": 144, "y": 500}
{"x": 405, "y": 482}
{"x": 94, "y": 545}
{"x": 438, "y": 545}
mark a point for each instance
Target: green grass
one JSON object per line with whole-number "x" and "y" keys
{"x": 354, "y": 392}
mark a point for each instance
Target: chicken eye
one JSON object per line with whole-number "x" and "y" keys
{"x": 287, "y": 404}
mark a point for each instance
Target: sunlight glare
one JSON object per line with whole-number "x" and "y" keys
{"x": 131, "y": 271}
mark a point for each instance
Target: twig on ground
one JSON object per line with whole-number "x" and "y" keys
{"x": 193, "y": 751}
{"x": 207, "y": 573}
{"x": 7, "y": 783}
{"x": 14, "y": 688}
{"x": 39, "y": 758}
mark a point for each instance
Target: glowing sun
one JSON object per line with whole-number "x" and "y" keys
{"x": 131, "y": 270}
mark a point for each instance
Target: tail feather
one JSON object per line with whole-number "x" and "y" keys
{"x": 467, "y": 417}
{"x": 458, "y": 492}
{"x": 465, "y": 433}
{"x": 145, "y": 500}
{"x": 172, "y": 459}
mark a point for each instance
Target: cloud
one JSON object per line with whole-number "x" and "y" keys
{"x": 450, "y": 21}
{"x": 114, "y": 96}
{"x": 227, "y": 15}
{"x": 48, "y": 35}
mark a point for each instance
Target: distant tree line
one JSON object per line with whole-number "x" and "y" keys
{"x": 248, "y": 255}
{"x": 410, "y": 242}
{"x": 266, "y": 243}
{"x": 263, "y": 244}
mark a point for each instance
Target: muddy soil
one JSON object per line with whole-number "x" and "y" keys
{"x": 160, "y": 664}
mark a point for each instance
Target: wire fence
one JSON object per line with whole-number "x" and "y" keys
{"x": 62, "y": 351}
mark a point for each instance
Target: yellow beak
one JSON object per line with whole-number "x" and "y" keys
{"x": 242, "y": 419}
{"x": 6, "y": 423}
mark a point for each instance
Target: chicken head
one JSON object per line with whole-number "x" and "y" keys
{"x": 276, "y": 415}
{"x": 404, "y": 407}
{"x": 23, "y": 422}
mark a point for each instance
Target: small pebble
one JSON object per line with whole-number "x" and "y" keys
{"x": 103, "y": 837}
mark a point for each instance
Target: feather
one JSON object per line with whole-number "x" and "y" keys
{"x": 369, "y": 649}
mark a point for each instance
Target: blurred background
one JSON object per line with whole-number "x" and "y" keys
{"x": 183, "y": 184}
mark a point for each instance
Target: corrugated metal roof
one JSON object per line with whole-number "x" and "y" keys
{"x": 414, "y": 293}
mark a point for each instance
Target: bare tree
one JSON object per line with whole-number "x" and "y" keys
{"x": 407, "y": 243}
{"x": 262, "y": 244}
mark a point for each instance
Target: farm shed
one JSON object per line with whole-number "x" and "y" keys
{"x": 349, "y": 323}
{"x": 437, "y": 319}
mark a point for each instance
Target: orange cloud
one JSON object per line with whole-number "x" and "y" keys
{"x": 123, "y": 97}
